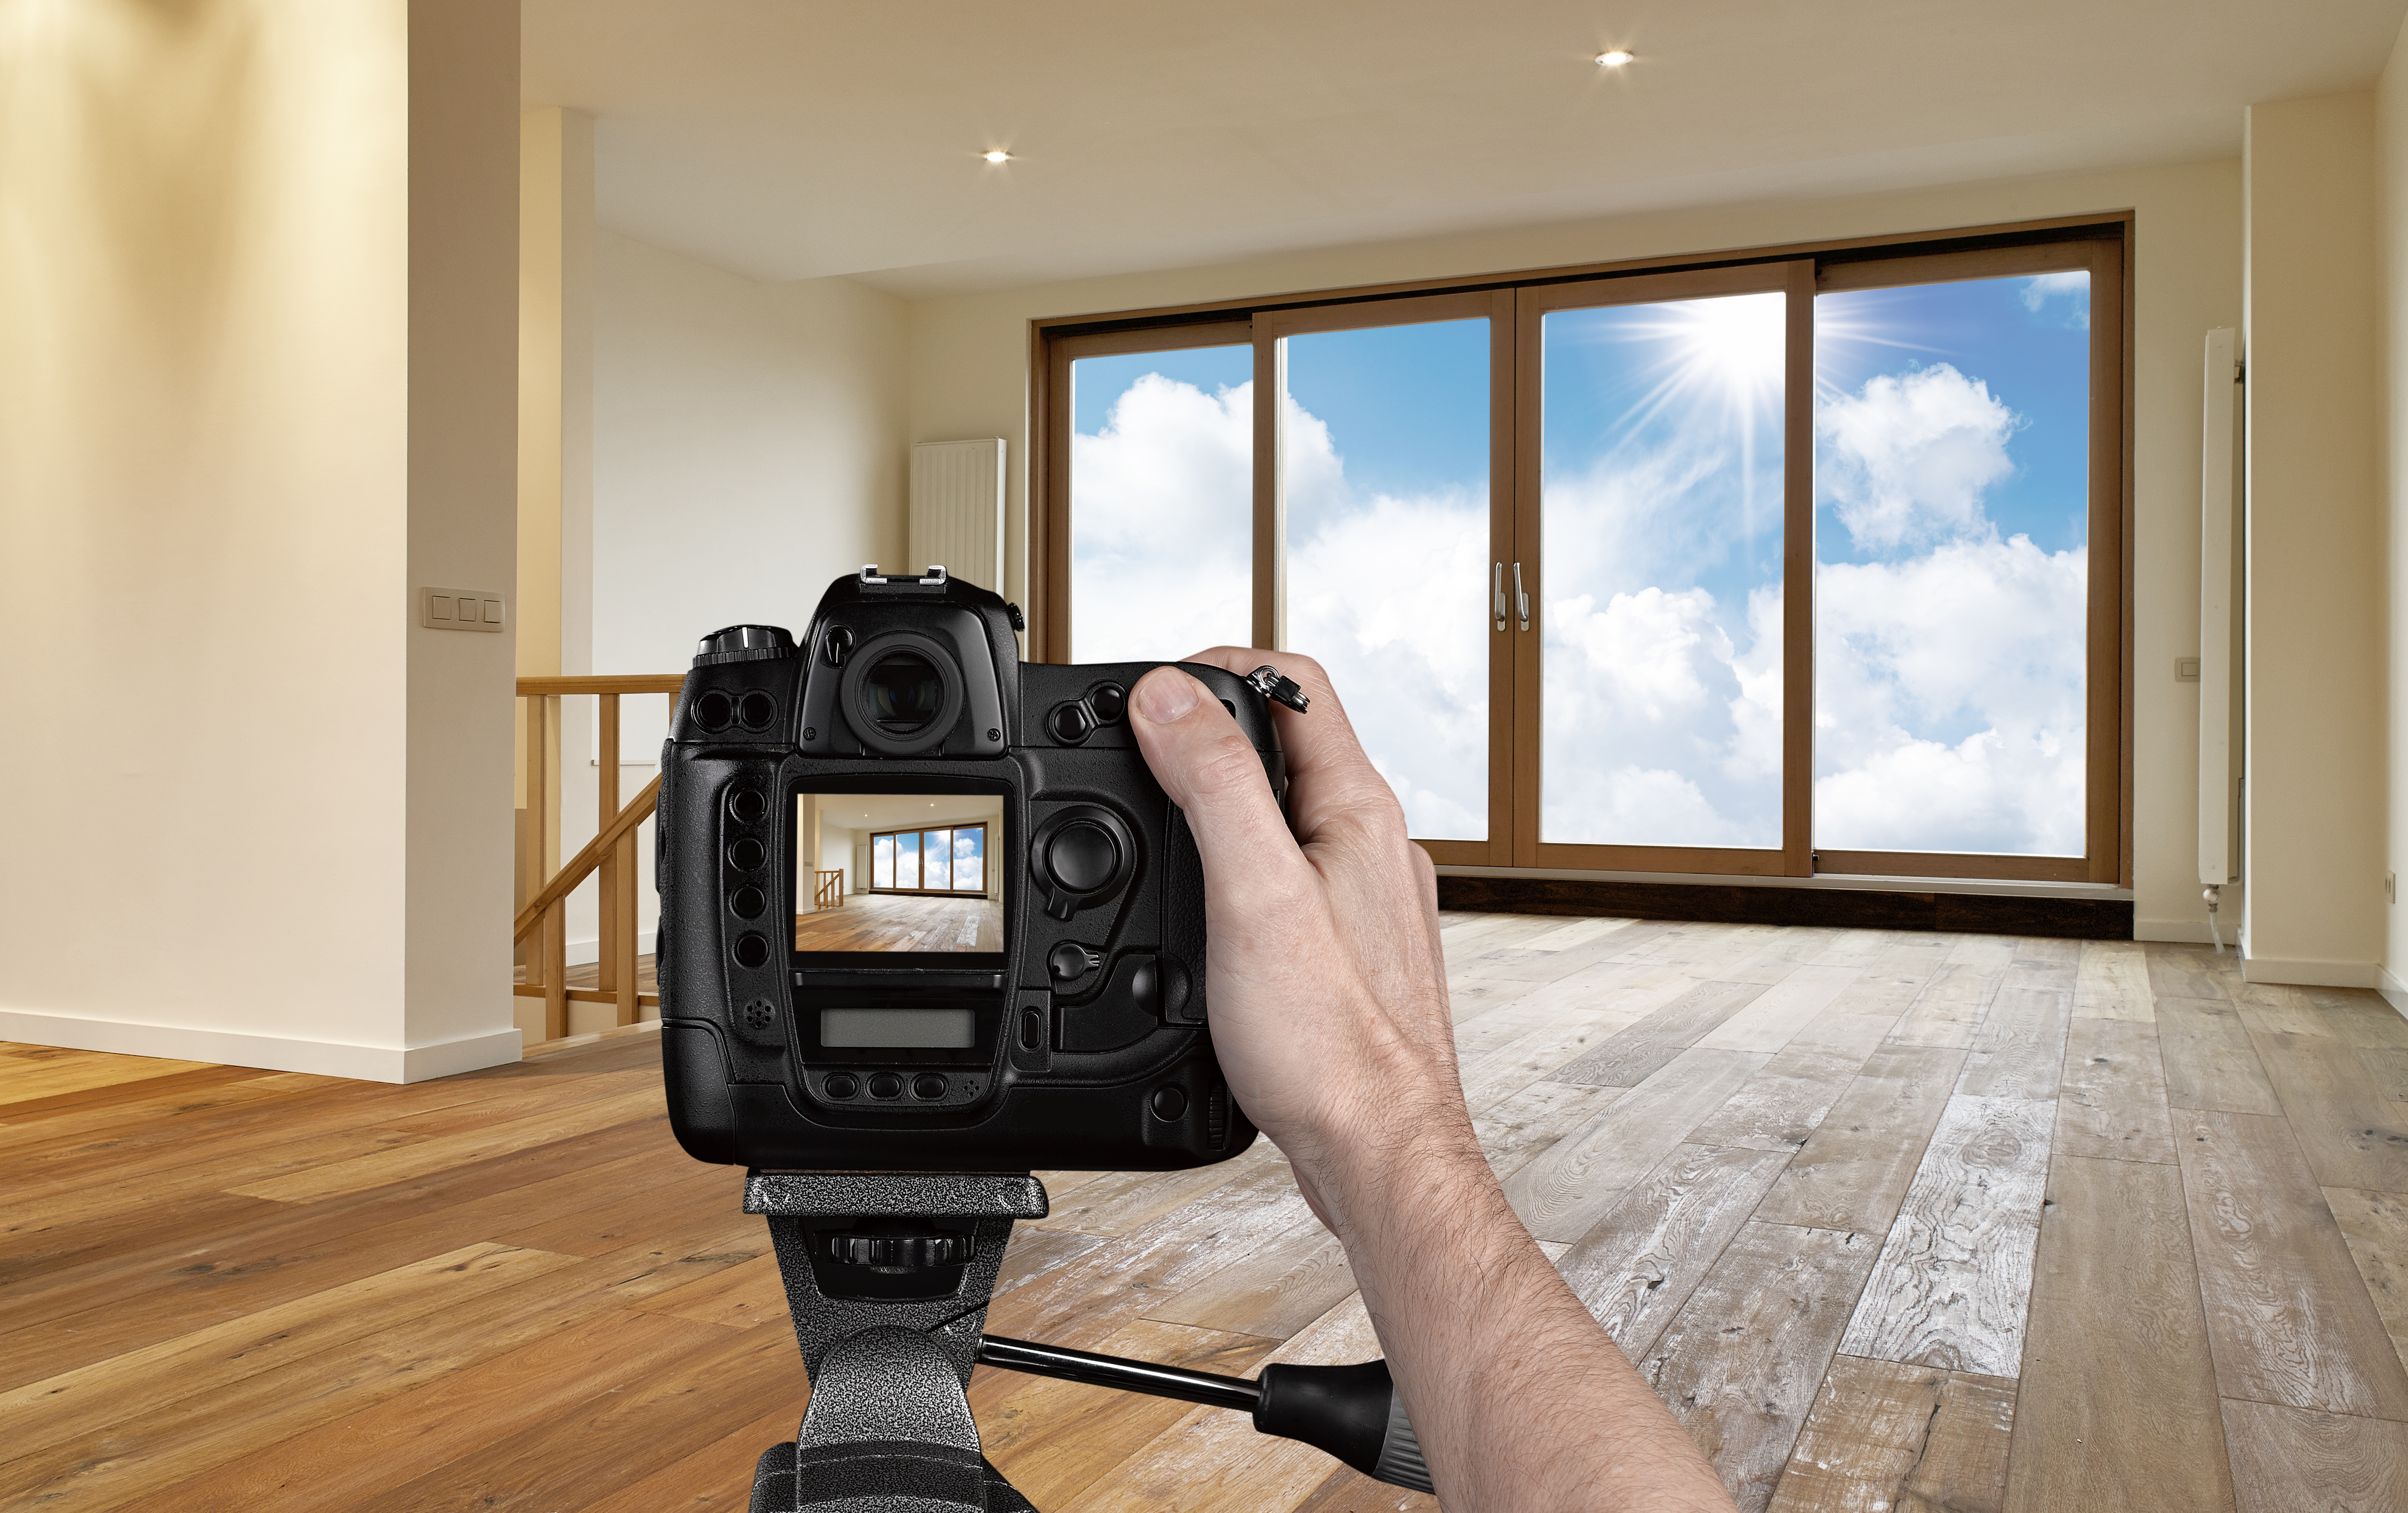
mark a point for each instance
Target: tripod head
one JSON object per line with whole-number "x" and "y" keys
{"x": 888, "y": 1276}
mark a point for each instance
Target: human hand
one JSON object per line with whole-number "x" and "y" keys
{"x": 1325, "y": 985}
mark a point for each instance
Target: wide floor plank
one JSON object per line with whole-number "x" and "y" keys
{"x": 2293, "y": 1461}
{"x": 2117, "y": 1406}
{"x": 2286, "y": 1311}
{"x": 1881, "y": 1435}
{"x": 1740, "y": 1364}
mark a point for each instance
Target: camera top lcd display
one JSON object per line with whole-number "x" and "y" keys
{"x": 900, "y": 872}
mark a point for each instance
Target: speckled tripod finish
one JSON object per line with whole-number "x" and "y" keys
{"x": 888, "y": 1429}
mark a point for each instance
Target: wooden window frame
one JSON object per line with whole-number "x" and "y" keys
{"x": 928, "y": 892}
{"x": 2100, "y": 243}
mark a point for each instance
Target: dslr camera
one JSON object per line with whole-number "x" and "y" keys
{"x": 923, "y": 907}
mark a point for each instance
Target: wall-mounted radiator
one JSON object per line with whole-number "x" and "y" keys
{"x": 957, "y": 509}
{"x": 2221, "y": 558}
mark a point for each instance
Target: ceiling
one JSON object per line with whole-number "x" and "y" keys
{"x": 798, "y": 138}
{"x": 893, "y": 811}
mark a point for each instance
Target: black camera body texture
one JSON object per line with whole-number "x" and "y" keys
{"x": 1084, "y": 1045}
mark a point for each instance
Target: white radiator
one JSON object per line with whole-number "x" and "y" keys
{"x": 957, "y": 509}
{"x": 2221, "y": 558}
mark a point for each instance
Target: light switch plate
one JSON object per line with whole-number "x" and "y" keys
{"x": 462, "y": 609}
{"x": 2185, "y": 669}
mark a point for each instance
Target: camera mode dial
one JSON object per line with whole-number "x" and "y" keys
{"x": 744, "y": 643}
{"x": 1081, "y": 856}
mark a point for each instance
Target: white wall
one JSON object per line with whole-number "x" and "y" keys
{"x": 748, "y": 447}
{"x": 969, "y": 357}
{"x": 256, "y": 382}
{"x": 2312, "y": 843}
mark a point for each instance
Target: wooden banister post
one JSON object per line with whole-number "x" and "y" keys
{"x": 555, "y": 969}
{"x": 606, "y": 787}
{"x": 621, "y": 899}
{"x": 538, "y": 839}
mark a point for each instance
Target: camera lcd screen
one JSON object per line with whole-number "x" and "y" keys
{"x": 916, "y": 872}
{"x": 931, "y": 1029}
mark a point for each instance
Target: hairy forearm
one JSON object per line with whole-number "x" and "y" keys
{"x": 1520, "y": 1401}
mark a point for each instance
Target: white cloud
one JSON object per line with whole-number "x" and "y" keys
{"x": 1162, "y": 537}
{"x": 1389, "y": 594}
{"x": 2075, "y": 286}
{"x": 1905, "y": 460}
{"x": 1949, "y": 700}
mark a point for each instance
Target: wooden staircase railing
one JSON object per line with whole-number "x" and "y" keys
{"x": 611, "y": 854}
{"x": 829, "y": 893}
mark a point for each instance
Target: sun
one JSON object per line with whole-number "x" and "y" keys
{"x": 1738, "y": 343}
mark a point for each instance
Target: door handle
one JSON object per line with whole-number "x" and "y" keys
{"x": 1500, "y": 580}
{"x": 1522, "y": 600}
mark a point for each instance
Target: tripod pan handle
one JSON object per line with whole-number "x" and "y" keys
{"x": 1353, "y": 1412}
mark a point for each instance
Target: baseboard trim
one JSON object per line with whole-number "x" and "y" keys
{"x": 270, "y": 1053}
{"x": 1979, "y": 914}
{"x": 2258, "y": 969}
{"x": 2394, "y": 991}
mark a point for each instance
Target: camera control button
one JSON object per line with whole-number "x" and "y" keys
{"x": 886, "y": 1085}
{"x": 748, "y": 805}
{"x": 841, "y": 1085}
{"x": 1168, "y": 1103}
{"x": 747, "y": 853}
{"x": 751, "y": 951}
{"x": 1070, "y": 723}
{"x": 836, "y": 645}
{"x": 1108, "y": 702}
{"x": 748, "y": 903}
{"x": 1083, "y": 856}
{"x": 714, "y": 711}
{"x": 928, "y": 1085}
{"x": 1070, "y": 962}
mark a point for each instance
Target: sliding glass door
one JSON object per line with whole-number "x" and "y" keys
{"x": 1659, "y": 513}
{"x": 1805, "y": 565}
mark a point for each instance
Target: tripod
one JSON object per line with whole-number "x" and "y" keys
{"x": 888, "y": 1275}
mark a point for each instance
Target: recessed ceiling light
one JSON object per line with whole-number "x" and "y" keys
{"x": 1615, "y": 59}
{"x": 999, "y": 155}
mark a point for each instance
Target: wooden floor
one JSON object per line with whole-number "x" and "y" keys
{"x": 902, "y": 922}
{"x": 1892, "y": 1221}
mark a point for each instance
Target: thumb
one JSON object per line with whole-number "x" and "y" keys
{"x": 1212, "y": 774}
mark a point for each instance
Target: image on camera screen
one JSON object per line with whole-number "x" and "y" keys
{"x": 900, "y": 872}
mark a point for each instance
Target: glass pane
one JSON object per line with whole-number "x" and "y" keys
{"x": 1660, "y": 508}
{"x": 906, "y": 859}
{"x": 881, "y": 861}
{"x": 1952, "y": 432}
{"x": 970, "y": 859}
{"x": 1161, "y": 504}
{"x": 1384, "y": 471}
{"x": 936, "y": 859}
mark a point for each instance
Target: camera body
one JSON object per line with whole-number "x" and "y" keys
{"x": 925, "y": 908}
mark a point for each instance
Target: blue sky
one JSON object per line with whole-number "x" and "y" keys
{"x": 2035, "y": 359}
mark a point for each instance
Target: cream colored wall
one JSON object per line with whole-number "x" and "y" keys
{"x": 248, "y": 399}
{"x": 2313, "y": 806}
{"x": 969, "y": 359}
{"x": 2391, "y": 435}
